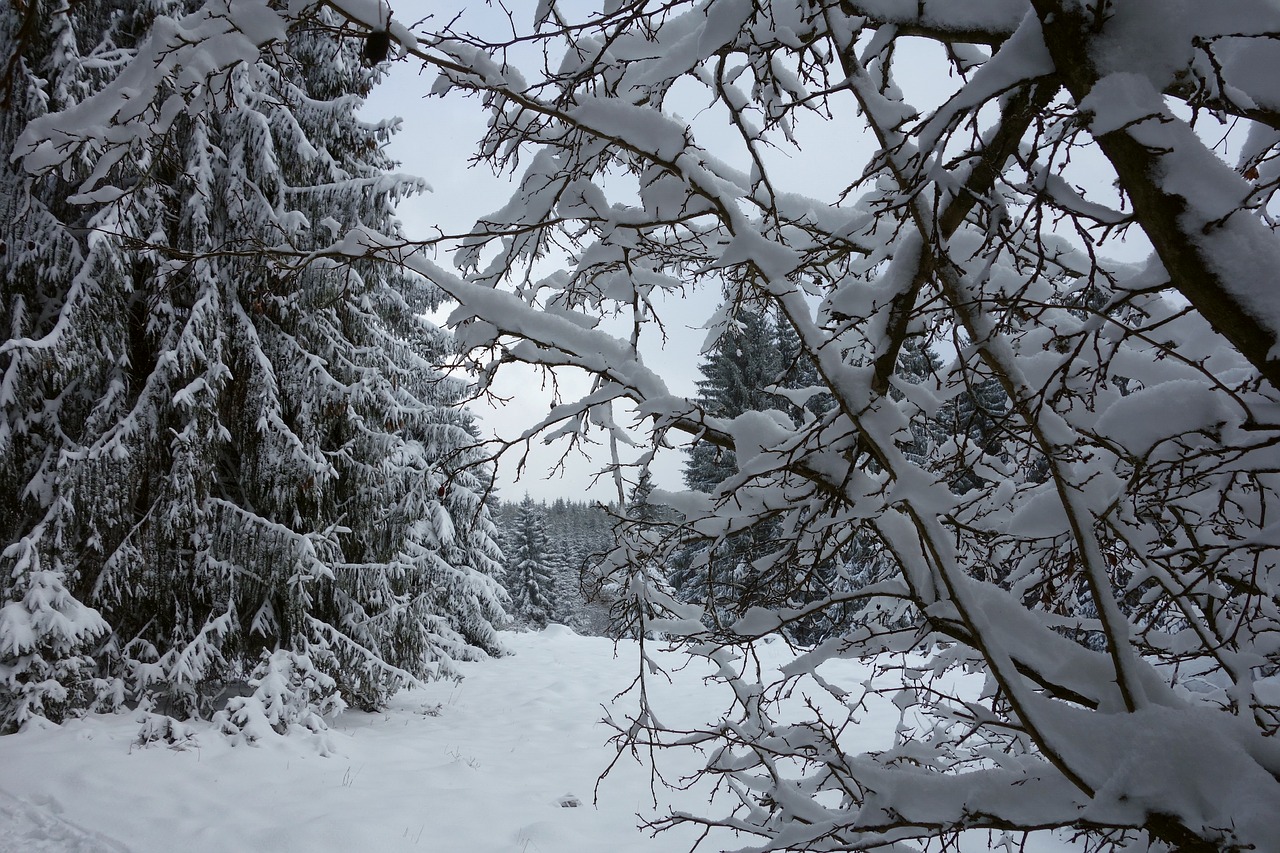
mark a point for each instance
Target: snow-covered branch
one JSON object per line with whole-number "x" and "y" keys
{"x": 1038, "y": 467}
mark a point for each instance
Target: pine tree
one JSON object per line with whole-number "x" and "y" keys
{"x": 224, "y": 454}
{"x": 578, "y": 532}
{"x": 530, "y": 575}
{"x": 723, "y": 574}
{"x": 917, "y": 364}
{"x": 632, "y": 575}
{"x": 970, "y": 423}
{"x": 743, "y": 362}
{"x": 639, "y": 506}
{"x": 797, "y": 372}
{"x": 45, "y": 635}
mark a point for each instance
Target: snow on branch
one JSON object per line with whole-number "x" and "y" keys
{"x": 1037, "y": 487}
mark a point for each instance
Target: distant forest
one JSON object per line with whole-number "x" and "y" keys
{"x": 547, "y": 547}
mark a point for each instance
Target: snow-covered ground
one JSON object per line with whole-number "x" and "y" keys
{"x": 504, "y": 762}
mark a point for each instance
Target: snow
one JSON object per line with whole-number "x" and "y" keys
{"x": 494, "y": 763}
{"x": 996, "y": 16}
{"x": 1149, "y": 416}
{"x": 1119, "y": 100}
{"x": 504, "y": 761}
{"x": 36, "y": 827}
{"x": 638, "y": 127}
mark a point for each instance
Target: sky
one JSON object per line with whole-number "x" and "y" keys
{"x": 437, "y": 139}
{"x": 436, "y": 142}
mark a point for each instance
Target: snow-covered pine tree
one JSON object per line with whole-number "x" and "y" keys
{"x": 717, "y": 569}
{"x": 973, "y": 420}
{"x": 564, "y": 559}
{"x": 1155, "y": 429}
{"x": 632, "y": 575}
{"x": 226, "y": 454}
{"x": 640, "y": 507}
{"x": 741, "y": 363}
{"x": 577, "y": 531}
{"x": 530, "y": 575}
{"x": 840, "y": 570}
{"x": 44, "y": 636}
{"x": 45, "y": 630}
{"x": 1151, "y": 418}
{"x": 799, "y": 373}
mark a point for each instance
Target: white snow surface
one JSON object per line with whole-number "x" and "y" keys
{"x": 504, "y": 762}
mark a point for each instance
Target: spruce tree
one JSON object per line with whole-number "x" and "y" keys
{"x": 46, "y": 632}
{"x": 631, "y": 576}
{"x": 722, "y": 574}
{"x": 744, "y": 361}
{"x": 222, "y": 453}
{"x": 797, "y": 372}
{"x": 639, "y": 506}
{"x": 740, "y": 365}
{"x": 578, "y": 533}
{"x": 972, "y": 419}
{"x": 530, "y": 575}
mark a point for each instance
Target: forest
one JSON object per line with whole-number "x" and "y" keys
{"x": 985, "y": 404}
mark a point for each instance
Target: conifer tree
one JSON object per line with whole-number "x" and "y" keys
{"x": 797, "y": 372}
{"x": 972, "y": 419}
{"x": 1150, "y": 418}
{"x": 44, "y": 636}
{"x": 640, "y": 507}
{"x": 530, "y": 575}
{"x": 744, "y": 361}
{"x": 226, "y": 454}
{"x": 578, "y": 533}
{"x": 45, "y": 631}
{"x": 740, "y": 365}
{"x": 632, "y": 576}
{"x": 719, "y": 572}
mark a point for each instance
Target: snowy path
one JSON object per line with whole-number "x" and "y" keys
{"x": 35, "y": 828}
{"x": 486, "y": 774}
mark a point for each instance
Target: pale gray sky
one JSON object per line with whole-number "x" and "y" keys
{"x": 437, "y": 141}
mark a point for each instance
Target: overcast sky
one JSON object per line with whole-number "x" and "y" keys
{"x": 436, "y": 142}
{"x": 440, "y": 134}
